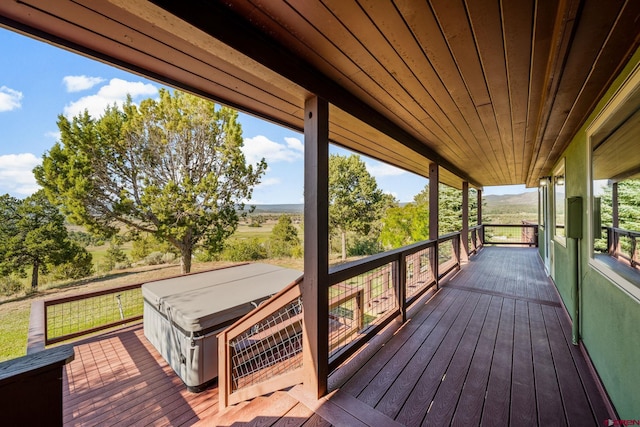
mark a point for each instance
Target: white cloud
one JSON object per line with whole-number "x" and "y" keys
{"x": 80, "y": 83}
{"x": 113, "y": 93}
{"x": 16, "y": 176}
{"x": 53, "y": 134}
{"x": 379, "y": 170}
{"x": 260, "y": 147}
{"x": 294, "y": 144}
{"x": 10, "y": 99}
{"x": 268, "y": 182}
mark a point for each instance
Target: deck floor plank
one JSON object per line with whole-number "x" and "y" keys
{"x": 119, "y": 379}
{"x": 523, "y": 396}
{"x": 499, "y": 385}
{"x": 412, "y": 354}
{"x": 396, "y": 394}
{"x": 421, "y": 324}
{"x": 421, "y": 397}
{"x": 448, "y": 394}
{"x": 549, "y": 400}
{"x": 474, "y": 389}
{"x": 576, "y": 405}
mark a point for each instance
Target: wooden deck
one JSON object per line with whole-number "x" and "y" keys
{"x": 492, "y": 347}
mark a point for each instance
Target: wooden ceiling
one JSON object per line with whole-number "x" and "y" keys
{"x": 491, "y": 90}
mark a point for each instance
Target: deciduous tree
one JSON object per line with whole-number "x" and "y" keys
{"x": 172, "y": 167}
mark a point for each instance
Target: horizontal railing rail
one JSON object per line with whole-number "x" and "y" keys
{"x": 84, "y": 314}
{"x": 510, "y": 234}
{"x": 262, "y": 351}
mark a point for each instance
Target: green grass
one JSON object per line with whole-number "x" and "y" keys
{"x": 14, "y": 326}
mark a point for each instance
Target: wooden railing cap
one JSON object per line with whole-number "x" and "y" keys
{"x": 36, "y": 362}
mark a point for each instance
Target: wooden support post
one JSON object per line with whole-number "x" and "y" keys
{"x": 434, "y": 190}
{"x": 315, "y": 293}
{"x": 465, "y": 223}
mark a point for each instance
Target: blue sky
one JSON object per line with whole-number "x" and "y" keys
{"x": 38, "y": 82}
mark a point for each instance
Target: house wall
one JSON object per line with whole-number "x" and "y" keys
{"x": 609, "y": 316}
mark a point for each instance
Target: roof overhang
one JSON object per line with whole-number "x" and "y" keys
{"x": 491, "y": 91}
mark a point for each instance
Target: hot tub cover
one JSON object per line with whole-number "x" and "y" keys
{"x": 202, "y": 301}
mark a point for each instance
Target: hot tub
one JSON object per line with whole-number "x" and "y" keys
{"x": 183, "y": 315}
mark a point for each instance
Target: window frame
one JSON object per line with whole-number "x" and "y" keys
{"x": 618, "y": 102}
{"x": 559, "y": 171}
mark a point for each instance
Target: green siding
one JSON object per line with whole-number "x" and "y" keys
{"x": 610, "y": 318}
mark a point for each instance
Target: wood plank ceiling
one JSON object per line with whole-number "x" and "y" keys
{"x": 491, "y": 90}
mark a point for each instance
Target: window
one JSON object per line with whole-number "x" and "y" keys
{"x": 615, "y": 185}
{"x": 559, "y": 203}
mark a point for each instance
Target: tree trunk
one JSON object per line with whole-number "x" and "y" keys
{"x": 344, "y": 244}
{"x": 34, "y": 276}
{"x": 185, "y": 261}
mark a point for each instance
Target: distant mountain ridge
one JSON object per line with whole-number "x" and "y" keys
{"x": 292, "y": 208}
{"x": 528, "y": 200}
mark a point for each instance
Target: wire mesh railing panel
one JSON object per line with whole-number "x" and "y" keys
{"x": 445, "y": 252}
{"x": 270, "y": 347}
{"x": 510, "y": 234}
{"x": 71, "y": 317}
{"x": 357, "y": 303}
{"x": 419, "y": 272}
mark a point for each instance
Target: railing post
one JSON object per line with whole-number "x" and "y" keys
{"x": 224, "y": 370}
{"x": 37, "y": 328}
{"x": 400, "y": 280}
{"x": 457, "y": 247}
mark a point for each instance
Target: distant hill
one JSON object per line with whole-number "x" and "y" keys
{"x": 510, "y": 208}
{"x": 498, "y": 208}
{"x": 297, "y": 208}
{"x": 528, "y": 198}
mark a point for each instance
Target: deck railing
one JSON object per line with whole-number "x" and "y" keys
{"x": 510, "y": 234}
{"x": 622, "y": 244}
{"x": 262, "y": 352}
{"x": 366, "y": 294}
{"x": 78, "y": 315}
